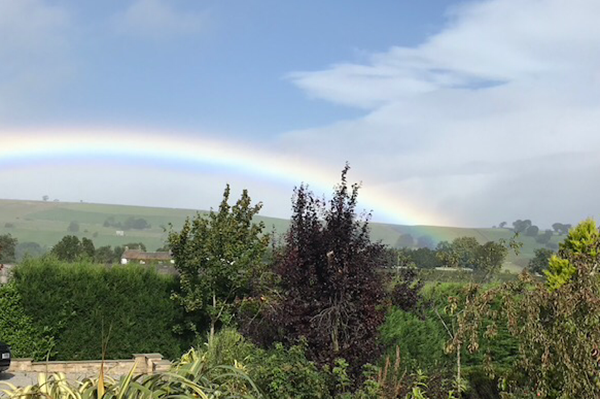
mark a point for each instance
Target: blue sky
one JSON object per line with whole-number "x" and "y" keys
{"x": 226, "y": 70}
{"x": 484, "y": 110}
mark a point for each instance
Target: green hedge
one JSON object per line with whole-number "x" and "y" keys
{"x": 80, "y": 303}
{"x": 17, "y": 328}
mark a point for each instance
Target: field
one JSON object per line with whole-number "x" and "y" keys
{"x": 47, "y": 222}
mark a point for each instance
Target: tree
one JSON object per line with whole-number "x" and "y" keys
{"x": 73, "y": 227}
{"x": 45, "y": 198}
{"x": 532, "y": 231}
{"x": 140, "y": 246}
{"x": 561, "y": 228}
{"x": 539, "y": 263}
{"x": 7, "y": 248}
{"x": 491, "y": 257}
{"x": 502, "y": 225}
{"x": 424, "y": 258}
{"x": 544, "y": 238}
{"x": 136, "y": 224}
{"x": 556, "y": 322}
{"x": 519, "y": 226}
{"x": 405, "y": 241}
{"x": 87, "y": 248}
{"x": 217, "y": 256}
{"x": 331, "y": 290}
{"x": 32, "y": 249}
{"x": 105, "y": 255}
{"x": 425, "y": 241}
{"x": 68, "y": 249}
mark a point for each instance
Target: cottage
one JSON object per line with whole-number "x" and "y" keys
{"x": 137, "y": 256}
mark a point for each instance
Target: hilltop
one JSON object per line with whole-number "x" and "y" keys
{"x": 47, "y": 222}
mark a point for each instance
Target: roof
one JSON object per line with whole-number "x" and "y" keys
{"x": 132, "y": 254}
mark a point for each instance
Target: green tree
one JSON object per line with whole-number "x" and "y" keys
{"x": 68, "y": 249}
{"x": 73, "y": 227}
{"x": 87, "y": 248}
{"x": 539, "y": 263}
{"x": 216, "y": 256}
{"x": 519, "y": 226}
{"x": 135, "y": 245}
{"x": 582, "y": 241}
{"x": 32, "y": 249}
{"x": 425, "y": 241}
{"x": 556, "y": 322}
{"x": 7, "y": 248}
{"x": 544, "y": 238}
{"x": 405, "y": 241}
{"x": 491, "y": 257}
{"x": 532, "y": 231}
{"x": 105, "y": 255}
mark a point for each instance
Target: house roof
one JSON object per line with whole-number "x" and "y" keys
{"x": 132, "y": 254}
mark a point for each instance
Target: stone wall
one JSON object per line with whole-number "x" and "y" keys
{"x": 4, "y": 271}
{"x": 149, "y": 363}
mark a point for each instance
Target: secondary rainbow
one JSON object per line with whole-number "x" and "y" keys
{"x": 49, "y": 146}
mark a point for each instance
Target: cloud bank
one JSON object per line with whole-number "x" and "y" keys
{"x": 493, "y": 118}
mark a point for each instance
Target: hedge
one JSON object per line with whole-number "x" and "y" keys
{"x": 83, "y": 303}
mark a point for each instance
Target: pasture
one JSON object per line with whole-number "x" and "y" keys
{"x": 47, "y": 222}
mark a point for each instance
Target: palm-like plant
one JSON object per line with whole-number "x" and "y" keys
{"x": 192, "y": 377}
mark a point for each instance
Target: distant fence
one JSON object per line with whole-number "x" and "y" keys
{"x": 149, "y": 363}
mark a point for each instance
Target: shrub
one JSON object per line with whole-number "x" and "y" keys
{"x": 17, "y": 328}
{"x": 83, "y": 302}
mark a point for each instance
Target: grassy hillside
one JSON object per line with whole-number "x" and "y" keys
{"x": 46, "y": 223}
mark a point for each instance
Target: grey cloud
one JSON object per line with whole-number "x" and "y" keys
{"x": 480, "y": 119}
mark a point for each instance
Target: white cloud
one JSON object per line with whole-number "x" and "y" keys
{"x": 34, "y": 47}
{"x": 157, "y": 19}
{"x": 501, "y": 98}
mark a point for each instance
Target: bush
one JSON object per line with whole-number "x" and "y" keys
{"x": 17, "y": 328}
{"x": 278, "y": 372}
{"x": 80, "y": 303}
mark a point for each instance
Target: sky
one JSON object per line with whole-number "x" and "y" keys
{"x": 463, "y": 113}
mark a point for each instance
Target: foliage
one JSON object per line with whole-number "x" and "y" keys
{"x": 69, "y": 249}
{"x": 539, "y": 263}
{"x": 425, "y": 241}
{"x": 105, "y": 255}
{"x": 193, "y": 377}
{"x": 544, "y": 238}
{"x": 561, "y": 228}
{"x": 466, "y": 252}
{"x": 17, "y": 328}
{"x": 278, "y": 372}
{"x": 217, "y": 256}
{"x": 32, "y": 249}
{"x": 583, "y": 240}
{"x": 405, "y": 241}
{"x": 406, "y": 289}
{"x": 7, "y": 248}
{"x": 132, "y": 223}
{"x": 73, "y": 227}
{"x": 331, "y": 290}
{"x": 557, "y": 323}
{"x": 532, "y": 231}
{"x": 420, "y": 340}
{"x": 133, "y": 245}
{"x": 81, "y": 302}
{"x": 422, "y": 258}
{"x": 520, "y": 226}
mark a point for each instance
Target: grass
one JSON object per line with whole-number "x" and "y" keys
{"x": 46, "y": 223}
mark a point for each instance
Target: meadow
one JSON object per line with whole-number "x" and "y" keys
{"x": 46, "y": 223}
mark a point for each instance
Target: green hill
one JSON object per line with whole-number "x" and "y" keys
{"x": 47, "y": 222}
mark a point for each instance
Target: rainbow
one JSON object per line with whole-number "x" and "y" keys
{"x": 25, "y": 148}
